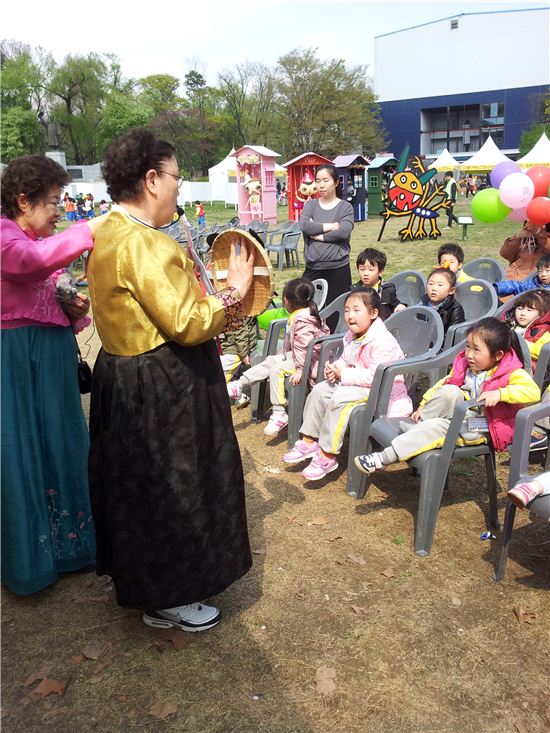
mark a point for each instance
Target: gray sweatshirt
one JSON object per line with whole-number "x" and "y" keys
{"x": 334, "y": 251}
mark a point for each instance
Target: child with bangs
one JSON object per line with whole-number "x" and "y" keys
{"x": 348, "y": 380}
{"x": 531, "y": 319}
{"x": 440, "y": 292}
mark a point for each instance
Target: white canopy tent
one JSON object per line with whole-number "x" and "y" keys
{"x": 445, "y": 162}
{"x": 485, "y": 159}
{"x": 538, "y": 155}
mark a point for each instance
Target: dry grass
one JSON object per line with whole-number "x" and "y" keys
{"x": 437, "y": 648}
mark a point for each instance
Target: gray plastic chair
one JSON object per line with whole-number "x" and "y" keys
{"x": 321, "y": 291}
{"x": 432, "y": 466}
{"x": 542, "y": 368}
{"x": 275, "y": 334}
{"x": 286, "y": 249}
{"x": 254, "y": 225}
{"x": 410, "y": 286}
{"x": 281, "y": 229}
{"x": 261, "y": 231}
{"x": 519, "y": 473}
{"x": 479, "y": 300}
{"x": 419, "y": 332}
{"x": 484, "y": 268}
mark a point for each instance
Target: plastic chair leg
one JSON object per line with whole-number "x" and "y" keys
{"x": 509, "y": 517}
{"x": 296, "y": 400}
{"x": 432, "y": 484}
{"x": 257, "y": 400}
{"x": 358, "y": 444}
{"x": 280, "y": 256}
{"x": 492, "y": 487}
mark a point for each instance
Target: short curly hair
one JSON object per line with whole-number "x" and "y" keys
{"x": 33, "y": 175}
{"x": 128, "y": 159}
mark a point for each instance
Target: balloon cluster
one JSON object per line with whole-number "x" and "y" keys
{"x": 515, "y": 194}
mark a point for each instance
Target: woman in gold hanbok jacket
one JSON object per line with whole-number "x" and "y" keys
{"x": 166, "y": 479}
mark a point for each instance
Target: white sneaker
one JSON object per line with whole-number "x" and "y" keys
{"x": 277, "y": 421}
{"x": 243, "y": 401}
{"x": 193, "y": 617}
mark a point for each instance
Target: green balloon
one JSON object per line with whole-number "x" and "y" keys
{"x": 488, "y": 208}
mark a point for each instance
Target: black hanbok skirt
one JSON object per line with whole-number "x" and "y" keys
{"x": 166, "y": 477}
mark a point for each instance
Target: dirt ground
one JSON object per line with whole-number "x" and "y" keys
{"x": 338, "y": 626}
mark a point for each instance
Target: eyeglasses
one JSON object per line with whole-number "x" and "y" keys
{"x": 179, "y": 179}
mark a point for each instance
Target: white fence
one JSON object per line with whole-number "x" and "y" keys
{"x": 191, "y": 191}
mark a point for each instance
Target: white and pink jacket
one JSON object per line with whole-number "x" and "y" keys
{"x": 29, "y": 268}
{"x": 358, "y": 364}
{"x": 302, "y": 328}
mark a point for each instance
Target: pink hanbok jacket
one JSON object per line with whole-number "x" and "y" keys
{"x": 378, "y": 346}
{"x": 29, "y": 268}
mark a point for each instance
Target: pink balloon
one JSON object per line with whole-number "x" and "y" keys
{"x": 538, "y": 210}
{"x": 516, "y": 190}
{"x": 518, "y": 215}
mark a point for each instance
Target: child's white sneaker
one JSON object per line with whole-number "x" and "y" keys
{"x": 277, "y": 422}
{"x": 234, "y": 390}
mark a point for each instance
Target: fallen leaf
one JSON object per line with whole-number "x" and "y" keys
{"x": 455, "y": 600}
{"x": 100, "y": 666}
{"x": 319, "y": 521}
{"x": 358, "y": 632}
{"x": 96, "y": 678}
{"x": 360, "y": 610}
{"x": 335, "y": 537}
{"x": 520, "y": 726}
{"x": 176, "y": 637}
{"x": 96, "y": 649}
{"x": 47, "y": 704}
{"x": 258, "y": 552}
{"x": 271, "y": 469}
{"x": 290, "y": 519}
{"x": 77, "y": 658}
{"x": 41, "y": 673}
{"x": 388, "y": 573}
{"x": 50, "y": 686}
{"x": 120, "y": 698}
{"x": 324, "y": 678}
{"x": 359, "y": 559}
{"x": 522, "y": 615}
{"x": 162, "y": 710}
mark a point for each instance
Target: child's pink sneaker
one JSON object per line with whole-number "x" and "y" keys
{"x": 319, "y": 467}
{"x": 301, "y": 452}
{"x": 523, "y": 494}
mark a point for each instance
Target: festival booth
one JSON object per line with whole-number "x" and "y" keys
{"x": 351, "y": 172}
{"x": 257, "y": 195}
{"x": 485, "y": 159}
{"x": 538, "y": 155}
{"x": 301, "y": 181}
{"x": 379, "y": 172}
{"x": 445, "y": 162}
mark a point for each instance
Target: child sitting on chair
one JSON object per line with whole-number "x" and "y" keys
{"x": 367, "y": 344}
{"x": 490, "y": 369}
{"x": 452, "y": 256}
{"x": 371, "y": 264}
{"x": 236, "y": 347}
{"x": 440, "y": 295}
{"x": 531, "y": 319}
{"x": 303, "y": 325}
{"x": 540, "y": 280}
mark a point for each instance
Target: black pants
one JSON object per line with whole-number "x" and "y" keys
{"x": 339, "y": 281}
{"x": 451, "y": 216}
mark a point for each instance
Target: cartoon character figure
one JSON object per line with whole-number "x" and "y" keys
{"x": 306, "y": 190}
{"x": 253, "y": 188}
{"x": 409, "y": 195}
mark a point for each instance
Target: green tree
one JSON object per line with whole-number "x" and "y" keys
{"x": 325, "y": 106}
{"x": 122, "y": 112}
{"x": 541, "y": 115}
{"x": 80, "y": 85}
{"x": 21, "y": 133}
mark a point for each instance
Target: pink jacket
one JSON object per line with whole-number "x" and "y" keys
{"x": 28, "y": 272}
{"x": 378, "y": 347}
{"x": 302, "y": 329}
{"x": 501, "y": 417}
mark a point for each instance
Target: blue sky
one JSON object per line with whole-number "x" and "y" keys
{"x": 216, "y": 34}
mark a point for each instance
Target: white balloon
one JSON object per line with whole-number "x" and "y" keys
{"x": 516, "y": 190}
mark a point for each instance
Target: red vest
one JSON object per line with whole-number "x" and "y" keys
{"x": 500, "y": 418}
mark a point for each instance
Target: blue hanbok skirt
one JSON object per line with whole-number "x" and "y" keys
{"x": 47, "y": 524}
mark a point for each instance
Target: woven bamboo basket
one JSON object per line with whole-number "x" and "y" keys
{"x": 263, "y": 283}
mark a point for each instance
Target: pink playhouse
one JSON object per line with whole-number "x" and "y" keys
{"x": 257, "y": 197}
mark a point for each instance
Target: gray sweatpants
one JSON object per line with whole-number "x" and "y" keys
{"x": 327, "y": 411}
{"x": 435, "y": 418}
{"x": 275, "y": 368}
